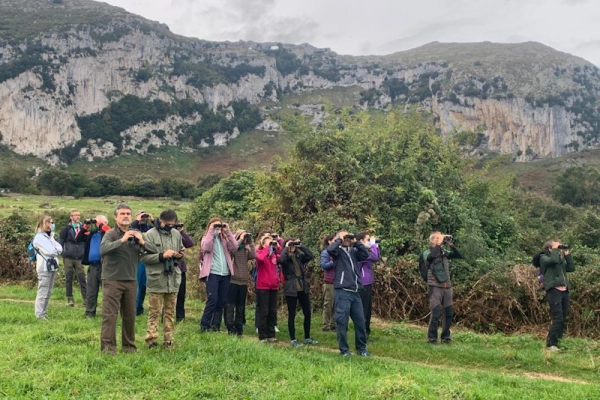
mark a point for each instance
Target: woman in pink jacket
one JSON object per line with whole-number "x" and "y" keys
{"x": 267, "y": 285}
{"x": 216, "y": 271}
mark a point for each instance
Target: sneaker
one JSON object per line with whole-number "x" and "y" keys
{"x": 447, "y": 341}
{"x": 256, "y": 330}
{"x": 152, "y": 345}
{"x": 310, "y": 341}
{"x": 179, "y": 319}
{"x": 70, "y": 302}
{"x": 553, "y": 349}
{"x": 272, "y": 340}
{"x": 345, "y": 354}
{"x": 276, "y": 329}
{"x": 167, "y": 345}
{"x": 264, "y": 340}
{"x": 204, "y": 329}
{"x": 42, "y": 318}
{"x": 87, "y": 315}
{"x": 432, "y": 342}
{"x": 364, "y": 353}
{"x": 295, "y": 343}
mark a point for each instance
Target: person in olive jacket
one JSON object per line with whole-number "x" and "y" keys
{"x": 555, "y": 262}
{"x": 163, "y": 277}
{"x": 293, "y": 259}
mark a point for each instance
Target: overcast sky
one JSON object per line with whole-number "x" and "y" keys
{"x": 362, "y": 27}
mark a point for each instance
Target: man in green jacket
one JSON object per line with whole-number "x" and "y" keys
{"x": 163, "y": 277}
{"x": 555, "y": 263}
{"x": 121, "y": 249}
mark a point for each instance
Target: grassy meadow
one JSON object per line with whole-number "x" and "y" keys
{"x": 61, "y": 358}
{"x": 89, "y": 206}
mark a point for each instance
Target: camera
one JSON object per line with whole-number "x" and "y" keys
{"x": 297, "y": 243}
{"x": 219, "y": 226}
{"x": 349, "y": 236}
{"x": 447, "y": 239}
{"x": 170, "y": 264}
{"x": 90, "y": 222}
{"x": 178, "y": 225}
{"x": 51, "y": 264}
{"x": 564, "y": 246}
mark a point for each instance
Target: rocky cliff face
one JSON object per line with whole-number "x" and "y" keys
{"x": 525, "y": 99}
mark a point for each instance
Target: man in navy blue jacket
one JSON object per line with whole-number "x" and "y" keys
{"x": 347, "y": 253}
{"x": 92, "y": 234}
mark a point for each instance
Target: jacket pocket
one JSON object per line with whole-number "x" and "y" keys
{"x": 439, "y": 272}
{"x": 154, "y": 279}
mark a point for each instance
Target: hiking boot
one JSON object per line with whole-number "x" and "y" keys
{"x": 310, "y": 341}
{"x": 295, "y": 343}
{"x": 88, "y": 315}
{"x": 432, "y": 342}
{"x": 70, "y": 302}
{"x": 447, "y": 341}
{"x": 167, "y": 345}
{"x": 152, "y": 345}
{"x": 364, "y": 353}
{"x": 553, "y": 349}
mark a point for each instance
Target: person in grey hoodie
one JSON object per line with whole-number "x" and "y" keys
{"x": 47, "y": 250}
{"x": 347, "y": 253}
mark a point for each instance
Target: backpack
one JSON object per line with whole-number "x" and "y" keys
{"x": 423, "y": 264}
{"x": 536, "y": 263}
{"x": 31, "y": 251}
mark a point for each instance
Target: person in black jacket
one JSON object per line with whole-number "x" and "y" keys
{"x": 143, "y": 222}
{"x": 347, "y": 253}
{"x": 440, "y": 286}
{"x": 296, "y": 288}
{"x": 91, "y": 234}
{"x": 72, "y": 256}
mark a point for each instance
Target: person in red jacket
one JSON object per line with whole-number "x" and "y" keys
{"x": 267, "y": 286}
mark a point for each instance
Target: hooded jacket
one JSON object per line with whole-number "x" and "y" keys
{"x": 267, "y": 271}
{"x": 366, "y": 267}
{"x": 555, "y": 267}
{"x": 207, "y": 244}
{"x": 345, "y": 262}
{"x": 159, "y": 281}
{"x": 47, "y": 248}
{"x": 303, "y": 255}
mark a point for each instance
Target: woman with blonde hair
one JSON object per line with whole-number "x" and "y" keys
{"x": 217, "y": 268}
{"x": 47, "y": 250}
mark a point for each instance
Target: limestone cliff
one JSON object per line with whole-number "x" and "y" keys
{"x": 70, "y": 72}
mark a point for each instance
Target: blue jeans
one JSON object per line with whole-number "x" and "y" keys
{"x": 349, "y": 305}
{"x": 217, "y": 287}
{"x": 141, "y": 289}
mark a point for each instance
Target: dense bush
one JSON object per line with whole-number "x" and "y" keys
{"x": 15, "y": 233}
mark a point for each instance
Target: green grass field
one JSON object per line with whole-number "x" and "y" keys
{"x": 61, "y": 359}
{"x": 89, "y": 206}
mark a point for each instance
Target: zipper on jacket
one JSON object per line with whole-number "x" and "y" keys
{"x": 342, "y": 278}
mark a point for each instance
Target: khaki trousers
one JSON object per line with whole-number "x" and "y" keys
{"x": 156, "y": 303}
{"x": 328, "y": 307}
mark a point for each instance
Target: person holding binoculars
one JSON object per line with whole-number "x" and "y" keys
{"x": 293, "y": 260}
{"x": 217, "y": 268}
{"x": 143, "y": 222}
{"x": 267, "y": 286}
{"x": 555, "y": 262}
{"x": 347, "y": 252}
{"x": 163, "y": 277}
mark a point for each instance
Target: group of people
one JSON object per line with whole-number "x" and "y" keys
{"x": 147, "y": 255}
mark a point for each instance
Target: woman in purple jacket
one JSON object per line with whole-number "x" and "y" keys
{"x": 368, "y": 276}
{"x": 187, "y": 243}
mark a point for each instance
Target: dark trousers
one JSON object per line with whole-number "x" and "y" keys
{"x": 118, "y": 297}
{"x": 292, "y": 304}
{"x": 559, "y": 307}
{"x": 348, "y": 305}
{"x": 266, "y": 306}
{"x": 236, "y": 308}
{"x": 74, "y": 267}
{"x": 216, "y": 291}
{"x": 180, "y": 306}
{"x": 366, "y": 296}
{"x": 94, "y": 282}
{"x": 440, "y": 299}
{"x": 141, "y": 289}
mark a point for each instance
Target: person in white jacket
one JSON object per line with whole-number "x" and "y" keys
{"x": 47, "y": 250}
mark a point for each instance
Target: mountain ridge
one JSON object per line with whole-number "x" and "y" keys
{"x": 71, "y": 65}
